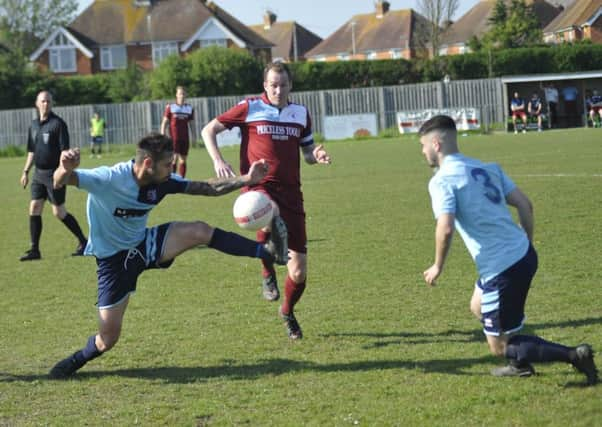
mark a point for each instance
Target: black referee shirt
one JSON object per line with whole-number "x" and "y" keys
{"x": 46, "y": 139}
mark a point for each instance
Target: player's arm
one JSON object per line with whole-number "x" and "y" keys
{"x": 315, "y": 154}
{"x": 164, "y": 123}
{"x": 64, "y": 175}
{"x": 523, "y": 205}
{"x": 444, "y": 233}
{"x": 209, "y": 135}
{"x": 220, "y": 186}
{"x": 28, "y": 163}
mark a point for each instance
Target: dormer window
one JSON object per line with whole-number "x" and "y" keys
{"x": 61, "y": 55}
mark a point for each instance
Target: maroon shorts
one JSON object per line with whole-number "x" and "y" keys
{"x": 181, "y": 146}
{"x": 519, "y": 113}
{"x": 293, "y": 214}
{"x": 596, "y": 110}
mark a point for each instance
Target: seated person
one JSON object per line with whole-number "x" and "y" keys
{"x": 517, "y": 107}
{"x": 534, "y": 108}
{"x": 595, "y": 108}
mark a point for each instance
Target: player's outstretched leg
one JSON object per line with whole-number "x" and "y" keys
{"x": 68, "y": 366}
{"x": 583, "y": 361}
{"x": 279, "y": 240}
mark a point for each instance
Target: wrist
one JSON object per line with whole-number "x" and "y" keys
{"x": 25, "y": 171}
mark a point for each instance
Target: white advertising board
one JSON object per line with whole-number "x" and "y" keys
{"x": 465, "y": 118}
{"x": 350, "y": 125}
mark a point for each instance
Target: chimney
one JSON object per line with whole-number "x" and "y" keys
{"x": 269, "y": 18}
{"x": 382, "y": 7}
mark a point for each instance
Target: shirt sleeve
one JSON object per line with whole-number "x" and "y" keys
{"x": 31, "y": 144}
{"x": 93, "y": 180}
{"x": 235, "y": 116}
{"x": 167, "y": 112}
{"x": 443, "y": 198}
{"x": 307, "y": 137}
{"x": 63, "y": 136}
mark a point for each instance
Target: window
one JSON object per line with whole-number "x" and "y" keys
{"x": 113, "y": 57}
{"x": 371, "y": 55}
{"x": 162, "y": 50}
{"x": 61, "y": 53}
{"x": 213, "y": 42}
{"x": 396, "y": 53}
{"x": 343, "y": 57}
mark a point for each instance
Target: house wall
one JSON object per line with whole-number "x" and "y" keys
{"x": 384, "y": 54}
{"x": 141, "y": 55}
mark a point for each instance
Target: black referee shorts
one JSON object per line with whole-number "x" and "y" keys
{"x": 42, "y": 188}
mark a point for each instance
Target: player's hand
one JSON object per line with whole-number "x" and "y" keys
{"x": 24, "y": 179}
{"x": 223, "y": 169}
{"x": 321, "y": 155}
{"x": 431, "y": 274}
{"x": 257, "y": 171}
{"x": 70, "y": 159}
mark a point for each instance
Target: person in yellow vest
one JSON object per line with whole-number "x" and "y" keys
{"x": 97, "y": 134}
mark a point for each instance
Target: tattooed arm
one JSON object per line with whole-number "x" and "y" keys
{"x": 220, "y": 186}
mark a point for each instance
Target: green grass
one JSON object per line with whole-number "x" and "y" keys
{"x": 201, "y": 348}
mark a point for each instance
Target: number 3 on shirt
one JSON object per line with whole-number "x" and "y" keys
{"x": 491, "y": 191}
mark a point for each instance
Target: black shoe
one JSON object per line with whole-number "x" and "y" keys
{"x": 277, "y": 245}
{"x": 31, "y": 255}
{"x": 292, "y": 326}
{"x": 79, "y": 251}
{"x": 270, "y": 288}
{"x": 65, "y": 368}
{"x": 584, "y": 363}
{"x": 514, "y": 371}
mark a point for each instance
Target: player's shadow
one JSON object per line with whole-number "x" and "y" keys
{"x": 382, "y": 339}
{"x": 452, "y": 335}
{"x": 268, "y": 367}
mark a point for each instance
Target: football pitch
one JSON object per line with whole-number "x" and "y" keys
{"x": 200, "y": 347}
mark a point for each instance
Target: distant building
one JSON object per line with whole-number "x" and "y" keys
{"x": 475, "y": 23}
{"x": 582, "y": 20}
{"x": 291, "y": 40}
{"x": 110, "y": 34}
{"x": 383, "y": 34}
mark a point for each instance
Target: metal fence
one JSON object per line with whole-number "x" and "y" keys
{"x": 126, "y": 123}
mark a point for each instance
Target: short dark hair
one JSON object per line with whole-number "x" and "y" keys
{"x": 278, "y": 67}
{"x": 155, "y": 146}
{"x": 440, "y": 122}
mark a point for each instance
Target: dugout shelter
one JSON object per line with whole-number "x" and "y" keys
{"x": 567, "y": 115}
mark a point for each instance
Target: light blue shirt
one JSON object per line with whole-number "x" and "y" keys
{"x": 118, "y": 208}
{"x": 475, "y": 192}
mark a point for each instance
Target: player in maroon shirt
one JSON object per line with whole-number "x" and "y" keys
{"x": 179, "y": 115}
{"x": 277, "y": 130}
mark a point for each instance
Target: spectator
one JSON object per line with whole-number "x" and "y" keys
{"x": 551, "y": 94}
{"x": 517, "y": 107}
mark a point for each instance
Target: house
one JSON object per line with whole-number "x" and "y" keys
{"x": 291, "y": 40}
{"x": 110, "y": 34}
{"x": 582, "y": 20}
{"x": 383, "y": 34}
{"x": 475, "y": 23}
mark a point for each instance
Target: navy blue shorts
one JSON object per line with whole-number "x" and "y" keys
{"x": 118, "y": 274}
{"x": 503, "y": 298}
{"x": 97, "y": 139}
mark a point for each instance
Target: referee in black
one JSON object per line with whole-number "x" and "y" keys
{"x": 48, "y": 137}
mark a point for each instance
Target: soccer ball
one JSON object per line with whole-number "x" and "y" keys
{"x": 253, "y": 210}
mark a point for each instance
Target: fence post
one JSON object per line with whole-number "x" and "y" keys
{"x": 382, "y": 109}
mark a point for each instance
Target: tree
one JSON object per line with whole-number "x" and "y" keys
{"x": 513, "y": 26}
{"x": 439, "y": 14}
{"x": 24, "y": 23}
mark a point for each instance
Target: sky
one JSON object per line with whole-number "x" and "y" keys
{"x": 322, "y": 17}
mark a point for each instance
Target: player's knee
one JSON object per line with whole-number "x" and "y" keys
{"x": 297, "y": 274}
{"x": 201, "y": 232}
{"x": 107, "y": 341}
